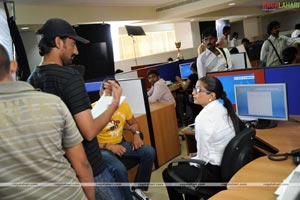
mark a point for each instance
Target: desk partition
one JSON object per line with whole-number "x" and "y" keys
{"x": 282, "y": 74}
{"x": 291, "y": 76}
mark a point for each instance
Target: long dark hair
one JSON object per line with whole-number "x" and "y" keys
{"x": 213, "y": 84}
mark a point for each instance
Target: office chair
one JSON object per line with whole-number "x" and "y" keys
{"x": 238, "y": 153}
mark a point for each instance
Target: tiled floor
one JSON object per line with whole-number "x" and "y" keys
{"x": 156, "y": 191}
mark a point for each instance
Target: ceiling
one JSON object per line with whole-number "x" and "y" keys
{"x": 139, "y": 12}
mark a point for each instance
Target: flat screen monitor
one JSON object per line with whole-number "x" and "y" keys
{"x": 229, "y": 81}
{"x": 262, "y": 101}
{"x": 185, "y": 70}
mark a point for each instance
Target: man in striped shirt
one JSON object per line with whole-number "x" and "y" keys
{"x": 40, "y": 144}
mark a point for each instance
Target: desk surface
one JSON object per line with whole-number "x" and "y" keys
{"x": 285, "y": 137}
{"x": 262, "y": 172}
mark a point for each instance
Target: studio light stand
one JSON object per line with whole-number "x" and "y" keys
{"x": 134, "y": 31}
{"x": 133, "y": 44}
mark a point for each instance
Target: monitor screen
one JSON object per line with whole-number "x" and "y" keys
{"x": 185, "y": 70}
{"x": 262, "y": 101}
{"x": 229, "y": 81}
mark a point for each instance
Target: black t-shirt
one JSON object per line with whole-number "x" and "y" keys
{"x": 193, "y": 78}
{"x": 68, "y": 84}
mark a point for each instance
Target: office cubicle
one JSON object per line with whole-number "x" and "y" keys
{"x": 291, "y": 76}
{"x": 136, "y": 96}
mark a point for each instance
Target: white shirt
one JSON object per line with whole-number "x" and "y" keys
{"x": 5, "y": 38}
{"x": 233, "y": 42}
{"x": 267, "y": 52}
{"x": 207, "y": 61}
{"x": 160, "y": 92}
{"x": 295, "y": 34}
{"x": 213, "y": 131}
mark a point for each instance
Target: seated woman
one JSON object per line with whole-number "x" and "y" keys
{"x": 215, "y": 126}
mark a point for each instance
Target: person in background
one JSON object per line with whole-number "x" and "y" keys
{"x": 118, "y": 71}
{"x": 291, "y": 55}
{"x": 224, "y": 38}
{"x": 213, "y": 58}
{"x": 215, "y": 126}
{"x": 170, "y": 59}
{"x": 201, "y": 48}
{"x": 234, "y": 42}
{"x": 159, "y": 90}
{"x": 183, "y": 98}
{"x": 113, "y": 146}
{"x": 296, "y": 32}
{"x": 245, "y": 41}
{"x": 40, "y": 143}
{"x": 58, "y": 48}
{"x": 271, "y": 50}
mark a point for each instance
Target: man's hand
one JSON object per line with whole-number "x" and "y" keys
{"x": 111, "y": 87}
{"x": 116, "y": 149}
{"x": 137, "y": 142}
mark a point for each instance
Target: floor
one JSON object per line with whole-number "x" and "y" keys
{"x": 157, "y": 191}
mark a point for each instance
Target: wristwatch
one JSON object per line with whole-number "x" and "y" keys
{"x": 137, "y": 132}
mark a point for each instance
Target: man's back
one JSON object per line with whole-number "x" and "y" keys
{"x": 35, "y": 129}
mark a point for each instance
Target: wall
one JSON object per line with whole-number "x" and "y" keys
{"x": 30, "y": 40}
{"x": 157, "y": 58}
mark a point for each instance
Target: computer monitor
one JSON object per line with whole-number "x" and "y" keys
{"x": 185, "y": 70}
{"x": 262, "y": 101}
{"x": 228, "y": 82}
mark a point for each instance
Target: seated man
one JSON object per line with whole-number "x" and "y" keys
{"x": 113, "y": 146}
{"x": 159, "y": 90}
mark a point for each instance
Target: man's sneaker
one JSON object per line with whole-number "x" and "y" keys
{"x": 139, "y": 194}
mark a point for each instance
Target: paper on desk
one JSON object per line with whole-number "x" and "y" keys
{"x": 287, "y": 190}
{"x": 102, "y": 104}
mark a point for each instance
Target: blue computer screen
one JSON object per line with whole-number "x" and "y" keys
{"x": 93, "y": 86}
{"x": 265, "y": 101}
{"x": 229, "y": 81}
{"x": 185, "y": 70}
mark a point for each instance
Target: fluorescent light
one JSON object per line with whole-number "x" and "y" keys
{"x": 25, "y": 28}
{"x": 231, "y": 4}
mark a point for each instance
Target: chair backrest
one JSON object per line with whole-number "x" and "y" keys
{"x": 238, "y": 153}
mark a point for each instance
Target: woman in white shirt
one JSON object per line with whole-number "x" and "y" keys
{"x": 215, "y": 126}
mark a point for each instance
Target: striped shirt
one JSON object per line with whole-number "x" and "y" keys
{"x": 67, "y": 83}
{"x": 35, "y": 129}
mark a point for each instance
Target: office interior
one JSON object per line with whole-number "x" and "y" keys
{"x": 158, "y": 121}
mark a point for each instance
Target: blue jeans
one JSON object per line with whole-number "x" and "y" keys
{"x": 106, "y": 192}
{"x": 145, "y": 155}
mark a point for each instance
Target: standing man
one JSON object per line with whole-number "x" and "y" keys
{"x": 113, "y": 147}
{"x": 40, "y": 143}
{"x": 159, "y": 90}
{"x": 58, "y": 47}
{"x": 271, "y": 51}
{"x": 224, "y": 38}
{"x": 213, "y": 58}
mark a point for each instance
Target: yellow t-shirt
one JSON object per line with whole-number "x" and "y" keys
{"x": 113, "y": 131}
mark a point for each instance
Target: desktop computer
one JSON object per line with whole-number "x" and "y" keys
{"x": 265, "y": 102}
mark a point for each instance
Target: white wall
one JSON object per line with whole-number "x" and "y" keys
{"x": 30, "y": 42}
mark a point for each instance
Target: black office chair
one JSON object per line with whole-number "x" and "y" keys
{"x": 238, "y": 153}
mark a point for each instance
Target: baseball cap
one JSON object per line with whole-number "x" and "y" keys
{"x": 58, "y": 27}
